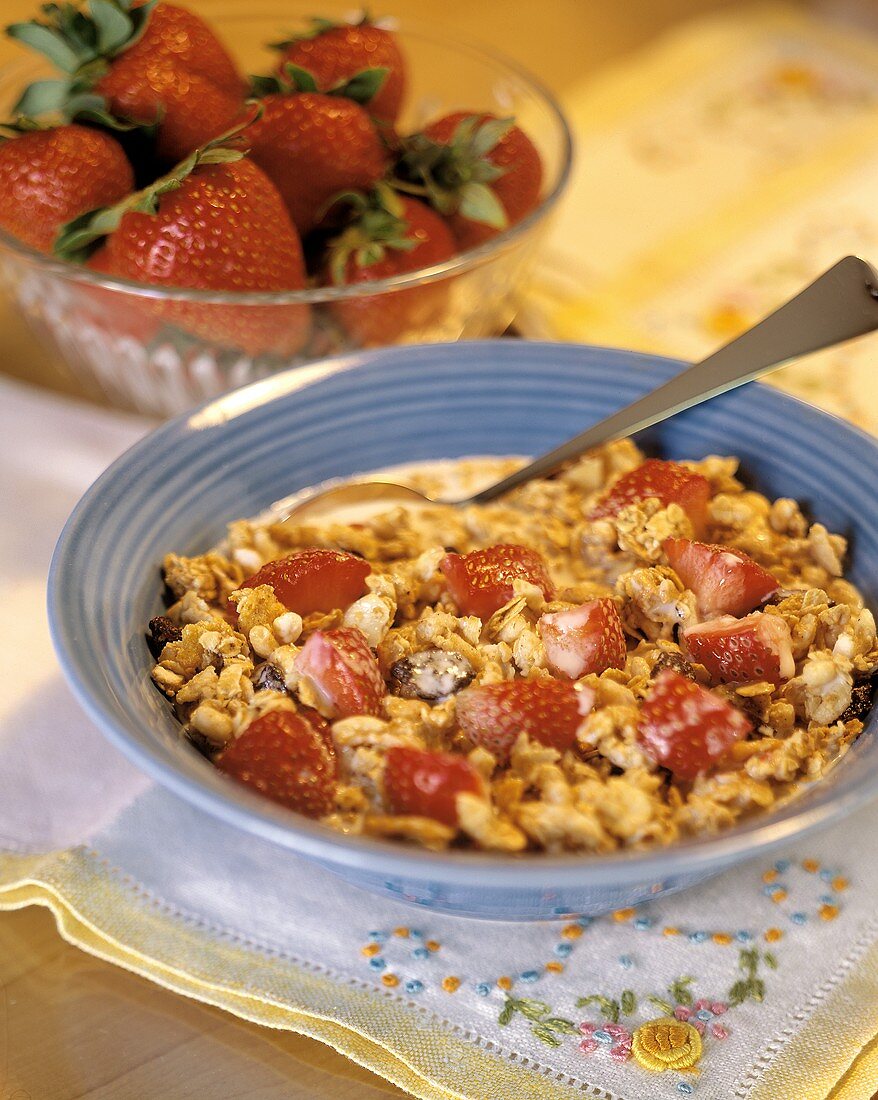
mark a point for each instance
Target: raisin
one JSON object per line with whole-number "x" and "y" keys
{"x": 861, "y": 701}
{"x": 432, "y": 675}
{"x": 161, "y": 631}
{"x": 676, "y": 662}
{"x": 268, "y": 678}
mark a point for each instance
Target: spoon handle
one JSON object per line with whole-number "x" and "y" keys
{"x": 840, "y": 304}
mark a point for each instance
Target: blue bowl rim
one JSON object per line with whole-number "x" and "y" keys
{"x": 258, "y": 816}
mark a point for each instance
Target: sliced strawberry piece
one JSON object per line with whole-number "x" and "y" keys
{"x": 584, "y": 639}
{"x": 427, "y": 783}
{"x": 668, "y": 482}
{"x": 481, "y": 582}
{"x": 757, "y": 647}
{"x": 321, "y": 727}
{"x": 686, "y": 728}
{"x": 343, "y": 671}
{"x": 314, "y": 580}
{"x": 725, "y": 581}
{"x": 549, "y": 711}
{"x": 283, "y": 757}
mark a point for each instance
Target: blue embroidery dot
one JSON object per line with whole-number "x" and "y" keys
{"x": 560, "y": 911}
{"x": 377, "y": 963}
{"x": 697, "y": 937}
{"x": 703, "y": 1015}
{"x": 416, "y": 933}
{"x": 378, "y": 936}
{"x": 642, "y": 923}
{"x": 626, "y": 962}
{"x": 602, "y": 1036}
{"x": 826, "y": 875}
{"x": 420, "y": 953}
{"x": 685, "y": 1088}
{"x": 585, "y": 922}
{"x": 769, "y": 888}
{"x": 414, "y": 986}
{"x": 483, "y": 989}
{"x": 798, "y": 918}
{"x": 743, "y": 936}
{"x": 782, "y": 865}
{"x": 827, "y": 899}
{"x": 563, "y": 950}
{"x": 529, "y": 975}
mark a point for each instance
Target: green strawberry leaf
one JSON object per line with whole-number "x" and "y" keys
{"x": 479, "y": 203}
{"x": 42, "y": 97}
{"x": 114, "y": 25}
{"x": 261, "y": 86}
{"x": 299, "y": 79}
{"x": 49, "y": 42}
{"x": 362, "y": 86}
{"x": 489, "y": 132}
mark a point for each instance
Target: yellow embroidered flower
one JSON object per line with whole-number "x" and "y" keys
{"x": 666, "y": 1043}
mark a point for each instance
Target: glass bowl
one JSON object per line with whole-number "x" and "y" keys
{"x": 104, "y": 329}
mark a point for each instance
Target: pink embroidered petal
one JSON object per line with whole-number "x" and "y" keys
{"x": 718, "y": 1008}
{"x": 587, "y": 1027}
{"x": 588, "y": 1046}
{"x": 620, "y": 1053}
{"x": 682, "y": 1012}
{"x": 718, "y": 1031}
{"x": 616, "y": 1030}
{"x": 698, "y": 1025}
{"x": 701, "y": 1004}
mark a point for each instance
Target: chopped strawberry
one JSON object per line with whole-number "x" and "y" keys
{"x": 283, "y": 757}
{"x": 686, "y": 728}
{"x": 757, "y": 647}
{"x": 584, "y": 639}
{"x": 481, "y": 582}
{"x": 725, "y": 581}
{"x": 427, "y": 783}
{"x": 668, "y": 482}
{"x": 549, "y": 711}
{"x": 314, "y": 580}
{"x": 322, "y": 728}
{"x": 343, "y": 671}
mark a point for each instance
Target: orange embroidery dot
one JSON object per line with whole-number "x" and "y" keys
{"x": 623, "y": 915}
{"x": 721, "y": 938}
{"x": 670, "y": 931}
{"x": 778, "y": 896}
{"x": 451, "y": 984}
{"x": 403, "y": 933}
{"x": 769, "y": 876}
{"x": 828, "y": 912}
{"x": 571, "y": 931}
{"x": 504, "y": 983}
{"x": 840, "y": 883}
{"x": 772, "y": 935}
{"x": 370, "y": 949}
{"x": 811, "y": 866}
{"x": 432, "y": 945}
{"x": 554, "y": 966}
{"x": 390, "y": 979}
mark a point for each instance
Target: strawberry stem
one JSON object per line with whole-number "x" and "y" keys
{"x": 379, "y": 223}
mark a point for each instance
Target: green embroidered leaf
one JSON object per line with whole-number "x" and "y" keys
{"x": 608, "y": 1007}
{"x": 533, "y": 1010}
{"x": 661, "y": 1004}
{"x": 546, "y": 1035}
{"x": 628, "y": 1001}
{"x": 679, "y": 990}
{"x": 559, "y": 1024}
{"x": 770, "y": 960}
{"x": 506, "y": 1012}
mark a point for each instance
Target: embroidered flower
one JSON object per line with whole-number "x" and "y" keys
{"x": 613, "y": 1036}
{"x": 666, "y": 1043}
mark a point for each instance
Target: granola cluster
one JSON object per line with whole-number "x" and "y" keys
{"x": 230, "y": 654}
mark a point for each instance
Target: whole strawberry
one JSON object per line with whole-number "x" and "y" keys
{"x": 312, "y": 146}
{"x": 215, "y": 223}
{"x": 483, "y": 173}
{"x": 334, "y": 52}
{"x": 390, "y": 235}
{"x": 152, "y": 64}
{"x": 48, "y": 177}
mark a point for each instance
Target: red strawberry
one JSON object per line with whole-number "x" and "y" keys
{"x": 48, "y": 177}
{"x": 668, "y": 482}
{"x": 481, "y": 582}
{"x": 151, "y": 64}
{"x": 483, "y": 173}
{"x": 312, "y": 146}
{"x": 725, "y": 581}
{"x": 391, "y": 235}
{"x": 343, "y": 671}
{"x": 758, "y": 647}
{"x": 427, "y": 783}
{"x": 584, "y": 639}
{"x": 162, "y": 236}
{"x": 334, "y": 52}
{"x": 283, "y": 757}
{"x": 686, "y": 728}
{"x": 314, "y": 579}
{"x": 550, "y": 711}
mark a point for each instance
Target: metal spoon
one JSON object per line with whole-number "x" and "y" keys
{"x": 839, "y": 305}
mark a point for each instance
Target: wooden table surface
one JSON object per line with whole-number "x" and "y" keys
{"x": 75, "y": 1028}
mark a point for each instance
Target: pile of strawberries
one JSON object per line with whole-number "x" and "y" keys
{"x": 153, "y": 159}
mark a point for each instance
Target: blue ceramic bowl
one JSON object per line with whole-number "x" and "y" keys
{"x": 177, "y": 489}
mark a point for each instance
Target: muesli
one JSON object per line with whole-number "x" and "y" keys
{"x": 630, "y": 653}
